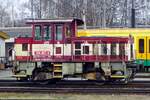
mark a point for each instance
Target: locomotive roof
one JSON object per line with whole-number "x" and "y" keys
{"x": 113, "y": 32}
{"x": 31, "y": 21}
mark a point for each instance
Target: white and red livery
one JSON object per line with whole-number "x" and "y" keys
{"x": 55, "y": 51}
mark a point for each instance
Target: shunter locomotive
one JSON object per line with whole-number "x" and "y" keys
{"x": 55, "y": 51}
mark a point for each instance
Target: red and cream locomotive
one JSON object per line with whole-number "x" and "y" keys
{"x": 55, "y": 51}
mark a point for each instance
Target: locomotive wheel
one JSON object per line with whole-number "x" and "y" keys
{"x": 49, "y": 81}
{"x": 99, "y": 82}
{"x": 43, "y": 82}
{"x": 40, "y": 76}
{"x": 120, "y": 81}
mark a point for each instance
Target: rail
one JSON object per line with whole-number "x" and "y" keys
{"x": 76, "y": 87}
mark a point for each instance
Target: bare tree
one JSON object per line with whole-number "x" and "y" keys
{"x": 4, "y": 15}
{"x": 98, "y": 13}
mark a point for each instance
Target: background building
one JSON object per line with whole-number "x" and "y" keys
{"x": 3, "y": 36}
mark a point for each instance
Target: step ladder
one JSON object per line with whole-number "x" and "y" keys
{"x": 57, "y": 70}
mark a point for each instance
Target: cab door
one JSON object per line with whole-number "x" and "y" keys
{"x": 141, "y": 47}
{"x": 58, "y": 45}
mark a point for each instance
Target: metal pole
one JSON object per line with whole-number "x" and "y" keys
{"x": 126, "y": 11}
{"x": 84, "y": 18}
{"x": 32, "y": 9}
{"x": 146, "y": 12}
{"x": 13, "y": 21}
{"x": 133, "y": 15}
{"x": 104, "y": 14}
{"x": 84, "y": 13}
{"x": 49, "y": 9}
{"x": 40, "y": 10}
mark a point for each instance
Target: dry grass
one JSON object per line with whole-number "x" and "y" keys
{"x": 72, "y": 96}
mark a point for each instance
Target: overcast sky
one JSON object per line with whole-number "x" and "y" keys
{"x": 16, "y": 4}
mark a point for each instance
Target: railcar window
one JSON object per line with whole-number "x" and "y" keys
{"x": 121, "y": 49}
{"x": 38, "y": 33}
{"x": 141, "y": 45}
{"x": 104, "y": 49}
{"x": 85, "y": 49}
{"x": 113, "y": 49}
{"x": 149, "y": 46}
{"x": 59, "y": 32}
{"x": 47, "y": 32}
{"x": 24, "y": 47}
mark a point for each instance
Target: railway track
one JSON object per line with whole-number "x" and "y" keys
{"x": 77, "y": 90}
{"x": 76, "y": 87}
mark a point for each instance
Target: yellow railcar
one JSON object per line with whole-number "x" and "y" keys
{"x": 141, "y": 41}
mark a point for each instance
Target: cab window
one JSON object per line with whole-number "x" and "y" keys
{"x": 47, "y": 32}
{"x": 68, "y": 31}
{"x": 38, "y": 33}
{"x": 141, "y": 45}
{"x": 59, "y": 32}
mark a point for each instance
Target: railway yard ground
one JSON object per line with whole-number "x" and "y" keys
{"x": 47, "y": 93}
{"x": 6, "y": 74}
{"x": 50, "y": 96}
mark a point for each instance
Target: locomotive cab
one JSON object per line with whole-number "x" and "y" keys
{"x": 48, "y": 44}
